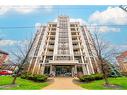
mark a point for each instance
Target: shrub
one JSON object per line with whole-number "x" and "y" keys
{"x": 87, "y": 78}
{"x": 37, "y": 77}
{"x": 30, "y": 77}
{"x": 25, "y": 75}
{"x": 98, "y": 76}
{"x": 40, "y": 78}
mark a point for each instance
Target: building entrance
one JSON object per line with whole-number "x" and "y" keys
{"x": 63, "y": 70}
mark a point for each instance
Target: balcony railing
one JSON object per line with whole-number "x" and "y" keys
{"x": 75, "y": 46}
{"x": 49, "y": 53}
{"x": 77, "y": 53}
{"x": 51, "y": 36}
{"x": 51, "y": 46}
{"x": 51, "y": 41}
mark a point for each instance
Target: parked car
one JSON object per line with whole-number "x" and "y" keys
{"x": 6, "y": 72}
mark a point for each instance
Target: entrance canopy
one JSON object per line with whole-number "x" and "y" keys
{"x": 64, "y": 62}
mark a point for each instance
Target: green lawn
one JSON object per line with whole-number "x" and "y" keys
{"x": 23, "y": 84}
{"x": 98, "y": 85}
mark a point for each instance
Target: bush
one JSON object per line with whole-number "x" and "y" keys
{"x": 30, "y": 77}
{"x": 98, "y": 76}
{"x": 87, "y": 78}
{"x": 37, "y": 77}
{"x": 25, "y": 75}
{"x": 40, "y": 78}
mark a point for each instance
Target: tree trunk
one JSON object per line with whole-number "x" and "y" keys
{"x": 14, "y": 80}
{"x": 106, "y": 80}
{"x": 104, "y": 71}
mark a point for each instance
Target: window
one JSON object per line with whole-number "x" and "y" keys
{"x": 72, "y": 25}
{"x": 54, "y": 25}
{"x": 53, "y": 33}
{"x": 53, "y": 29}
{"x": 73, "y": 33}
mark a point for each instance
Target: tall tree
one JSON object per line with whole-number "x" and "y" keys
{"x": 21, "y": 57}
{"x": 105, "y": 52}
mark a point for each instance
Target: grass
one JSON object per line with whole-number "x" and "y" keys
{"x": 23, "y": 84}
{"x": 98, "y": 85}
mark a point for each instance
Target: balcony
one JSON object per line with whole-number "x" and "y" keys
{"x": 75, "y": 46}
{"x": 49, "y": 53}
{"x": 51, "y": 35}
{"x": 51, "y": 41}
{"x": 73, "y": 32}
{"x": 51, "y": 46}
{"x": 52, "y": 32}
{"x": 63, "y": 47}
{"x": 75, "y": 36}
{"x": 77, "y": 53}
{"x": 75, "y": 41}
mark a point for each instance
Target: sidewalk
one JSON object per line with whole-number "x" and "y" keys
{"x": 63, "y": 83}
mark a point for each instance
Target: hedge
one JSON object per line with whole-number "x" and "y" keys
{"x": 37, "y": 77}
{"x": 88, "y": 78}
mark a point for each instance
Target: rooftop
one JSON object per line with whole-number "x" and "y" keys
{"x": 3, "y": 52}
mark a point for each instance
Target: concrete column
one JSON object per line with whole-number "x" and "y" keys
{"x": 50, "y": 69}
{"x": 92, "y": 69}
{"x": 70, "y": 42}
{"x": 56, "y": 43}
{"x": 39, "y": 68}
{"x": 72, "y": 71}
{"x": 30, "y": 64}
{"x": 42, "y": 69}
{"x": 84, "y": 70}
{"x": 36, "y": 61}
{"x": 87, "y": 68}
{"x": 75, "y": 69}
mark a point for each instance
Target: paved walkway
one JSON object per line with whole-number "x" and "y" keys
{"x": 63, "y": 83}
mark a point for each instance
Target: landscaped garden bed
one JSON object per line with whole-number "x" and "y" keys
{"x": 88, "y": 78}
{"x": 36, "y": 77}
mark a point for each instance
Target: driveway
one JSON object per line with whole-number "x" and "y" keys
{"x": 63, "y": 83}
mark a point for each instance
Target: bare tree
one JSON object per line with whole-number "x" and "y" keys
{"x": 21, "y": 57}
{"x": 105, "y": 53}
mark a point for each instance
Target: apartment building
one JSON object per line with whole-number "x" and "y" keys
{"x": 122, "y": 61}
{"x": 3, "y": 57}
{"x": 63, "y": 48}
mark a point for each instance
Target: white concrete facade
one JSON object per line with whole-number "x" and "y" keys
{"x": 63, "y": 48}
